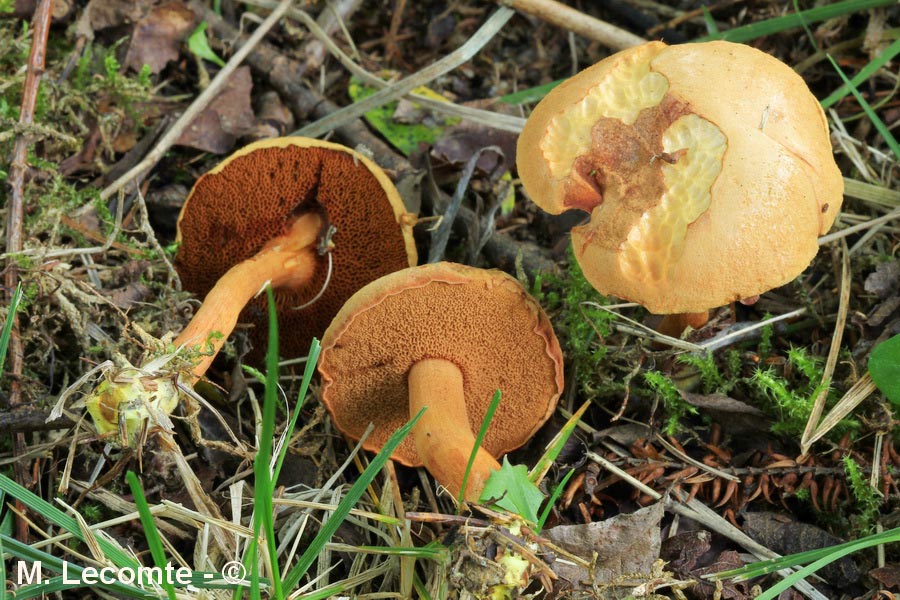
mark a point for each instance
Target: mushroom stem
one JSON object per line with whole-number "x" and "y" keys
{"x": 288, "y": 260}
{"x": 674, "y": 325}
{"x": 443, "y": 437}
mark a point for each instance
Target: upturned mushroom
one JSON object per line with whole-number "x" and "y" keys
{"x": 706, "y": 168}
{"x": 313, "y": 219}
{"x": 446, "y": 337}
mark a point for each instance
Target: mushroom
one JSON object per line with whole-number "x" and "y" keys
{"x": 446, "y": 337}
{"x": 706, "y": 169}
{"x": 313, "y": 219}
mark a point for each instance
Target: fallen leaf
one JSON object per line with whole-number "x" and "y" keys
{"x": 888, "y": 575}
{"x": 409, "y": 127}
{"x": 684, "y": 550}
{"x": 736, "y": 417}
{"x": 157, "y": 36}
{"x": 273, "y": 118}
{"x": 624, "y": 544}
{"x": 884, "y": 280}
{"x": 706, "y": 590}
{"x": 462, "y": 140}
{"x": 781, "y": 534}
{"x": 104, "y": 14}
{"x": 227, "y": 117}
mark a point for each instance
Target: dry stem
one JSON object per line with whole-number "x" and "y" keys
{"x": 14, "y": 228}
{"x": 576, "y": 21}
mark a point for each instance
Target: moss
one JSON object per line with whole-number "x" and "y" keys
{"x": 579, "y": 322}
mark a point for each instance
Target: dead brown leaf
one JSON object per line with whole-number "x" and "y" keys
{"x": 734, "y": 416}
{"x": 625, "y": 544}
{"x": 157, "y": 36}
{"x": 884, "y": 280}
{"x": 888, "y": 575}
{"x": 460, "y": 142}
{"x": 783, "y": 535}
{"x": 227, "y": 117}
{"x": 104, "y": 14}
{"x": 273, "y": 118}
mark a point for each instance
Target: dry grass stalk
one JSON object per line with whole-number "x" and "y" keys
{"x": 463, "y": 54}
{"x": 570, "y": 19}
{"x": 819, "y": 403}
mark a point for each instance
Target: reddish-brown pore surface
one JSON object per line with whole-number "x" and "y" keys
{"x": 234, "y": 211}
{"x": 482, "y": 321}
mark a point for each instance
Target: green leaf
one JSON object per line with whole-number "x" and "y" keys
{"x": 510, "y": 488}
{"x": 199, "y": 45}
{"x": 406, "y": 137}
{"x": 488, "y": 416}
{"x": 8, "y": 325}
{"x": 884, "y": 367}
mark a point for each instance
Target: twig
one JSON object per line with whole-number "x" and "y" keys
{"x": 576, "y": 21}
{"x": 488, "y": 118}
{"x": 459, "y": 56}
{"x": 15, "y": 215}
{"x": 199, "y": 104}
{"x": 743, "y": 333}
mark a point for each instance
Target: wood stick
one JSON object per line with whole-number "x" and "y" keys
{"x": 577, "y": 22}
{"x": 15, "y": 217}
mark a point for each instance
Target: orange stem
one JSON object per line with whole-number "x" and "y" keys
{"x": 286, "y": 261}
{"x": 675, "y": 324}
{"x": 443, "y": 437}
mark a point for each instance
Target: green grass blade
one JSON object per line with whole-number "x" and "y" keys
{"x": 870, "y": 69}
{"x": 356, "y": 491}
{"x": 485, "y": 422}
{"x": 17, "y": 549}
{"x": 312, "y": 358}
{"x": 836, "y": 553}
{"x": 2, "y": 564}
{"x": 53, "y": 515}
{"x": 530, "y": 95}
{"x": 876, "y": 120}
{"x": 766, "y": 567}
{"x": 559, "y": 441}
{"x": 709, "y": 21}
{"x": 7, "y": 327}
{"x": 153, "y": 539}
{"x": 779, "y": 24}
{"x": 557, "y": 492}
{"x": 264, "y": 487}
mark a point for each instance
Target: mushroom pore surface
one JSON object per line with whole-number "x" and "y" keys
{"x": 258, "y": 193}
{"x": 707, "y": 170}
{"x": 482, "y": 321}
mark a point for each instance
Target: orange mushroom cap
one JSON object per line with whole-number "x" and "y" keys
{"x": 258, "y": 192}
{"x": 482, "y": 321}
{"x": 707, "y": 169}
